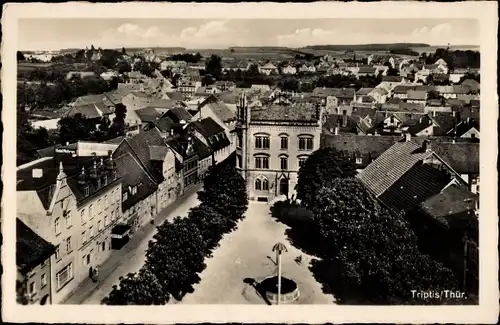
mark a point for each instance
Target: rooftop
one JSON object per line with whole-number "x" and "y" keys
{"x": 382, "y": 173}
{"x": 208, "y": 127}
{"x": 296, "y": 112}
{"x": 31, "y": 249}
{"x": 449, "y": 204}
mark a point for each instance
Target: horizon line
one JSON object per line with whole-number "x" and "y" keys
{"x": 256, "y": 46}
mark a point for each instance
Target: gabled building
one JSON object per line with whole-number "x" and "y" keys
{"x": 33, "y": 257}
{"x": 214, "y": 136}
{"x": 187, "y": 159}
{"x": 273, "y": 141}
{"x": 150, "y": 183}
{"x": 268, "y": 69}
{"x": 407, "y": 174}
{"x": 72, "y": 203}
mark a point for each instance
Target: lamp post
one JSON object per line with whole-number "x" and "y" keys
{"x": 279, "y": 248}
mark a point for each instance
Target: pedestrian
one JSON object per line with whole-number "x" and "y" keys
{"x": 91, "y": 273}
{"x": 96, "y": 273}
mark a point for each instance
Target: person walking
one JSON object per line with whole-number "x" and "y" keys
{"x": 96, "y": 273}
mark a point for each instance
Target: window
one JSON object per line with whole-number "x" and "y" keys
{"x": 84, "y": 237}
{"x": 239, "y": 140}
{"x": 99, "y": 207}
{"x": 91, "y": 211}
{"x": 238, "y": 161}
{"x": 258, "y": 184}
{"x": 83, "y": 215}
{"x": 106, "y": 203}
{"x": 262, "y": 142}
{"x": 99, "y": 225}
{"x": 68, "y": 244}
{"x": 43, "y": 280}
{"x": 265, "y": 185}
{"x": 103, "y": 246}
{"x": 113, "y": 215}
{"x": 68, "y": 220}
{"x": 284, "y": 162}
{"x": 305, "y": 142}
{"x": 57, "y": 253}
{"x": 86, "y": 190}
{"x": 64, "y": 276}
{"x": 302, "y": 161}
{"x": 91, "y": 232}
{"x": 57, "y": 226}
{"x": 392, "y": 120}
{"x": 31, "y": 288}
{"x": 359, "y": 161}
{"x": 105, "y": 180}
{"x": 125, "y": 196}
{"x": 262, "y": 162}
{"x": 284, "y": 142}
{"x": 86, "y": 259}
{"x": 106, "y": 220}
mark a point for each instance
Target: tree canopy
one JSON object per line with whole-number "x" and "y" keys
{"x": 322, "y": 166}
{"x": 213, "y": 66}
{"x": 372, "y": 250}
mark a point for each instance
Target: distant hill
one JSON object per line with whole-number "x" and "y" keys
{"x": 259, "y": 48}
{"x": 365, "y": 47}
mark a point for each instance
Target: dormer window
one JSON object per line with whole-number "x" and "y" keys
{"x": 86, "y": 190}
{"x": 105, "y": 180}
{"x": 359, "y": 160}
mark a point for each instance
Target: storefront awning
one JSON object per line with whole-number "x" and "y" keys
{"x": 120, "y": 231}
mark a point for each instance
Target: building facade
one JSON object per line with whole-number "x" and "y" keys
{"x": 273, "y": 142}
{"x": 73, "y": 207}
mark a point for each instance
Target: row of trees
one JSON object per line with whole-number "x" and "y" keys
{"x": 454, "y": 59}
{"x": 176, "y": 255}
{"x": 368, "y": 253}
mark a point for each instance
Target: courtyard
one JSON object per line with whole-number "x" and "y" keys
{"x": 245, "y": 255}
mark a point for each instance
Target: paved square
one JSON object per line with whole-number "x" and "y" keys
{"x": 244, "y": 254}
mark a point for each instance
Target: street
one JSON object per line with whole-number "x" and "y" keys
{"x": 131, "y": 257}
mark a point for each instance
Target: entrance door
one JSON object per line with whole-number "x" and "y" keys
{"x": 284, "y": 186}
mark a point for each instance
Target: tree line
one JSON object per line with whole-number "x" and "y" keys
{"x": 367, "y": 254}
{"x": 175, "y": 256}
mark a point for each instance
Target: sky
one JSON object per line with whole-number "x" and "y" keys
{"x": 54, "y": 34}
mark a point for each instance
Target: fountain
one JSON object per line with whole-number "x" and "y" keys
{"x": 289, "y": 290}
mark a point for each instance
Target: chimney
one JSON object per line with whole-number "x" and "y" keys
{"x": 420, "y": 120}
{"x": 434, "y": 113}
{"x": 37, "y": 173}
{"x": 468, "y": 120}
{"x": 453, "y": 113}
{"x": 344, "y": 118}
{"x": 453, "y": 141}
{"x": 407, "y": 137}
{"x": 426, "y": 145}
{"x": 336, "y": 132}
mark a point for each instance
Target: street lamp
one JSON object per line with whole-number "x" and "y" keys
{"x": 279, "y": 248}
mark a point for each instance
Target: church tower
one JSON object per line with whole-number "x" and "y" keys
{"x": 242, "y": 125}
